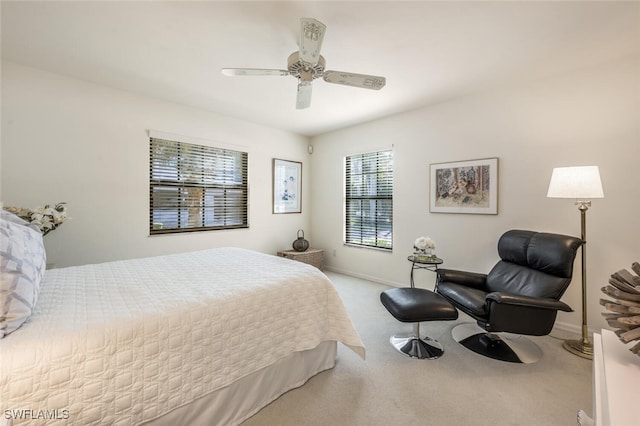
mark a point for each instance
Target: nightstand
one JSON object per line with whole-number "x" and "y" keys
{"x": 313, "y": 257}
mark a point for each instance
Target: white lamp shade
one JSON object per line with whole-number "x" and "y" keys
{"x": 575, "y": 182}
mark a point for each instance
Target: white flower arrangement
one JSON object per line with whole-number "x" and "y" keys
{"x": 423, "y": 244}
{"x": 46, "y": 218}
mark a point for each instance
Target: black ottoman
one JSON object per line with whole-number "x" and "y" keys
{"x": 416, "y": 305}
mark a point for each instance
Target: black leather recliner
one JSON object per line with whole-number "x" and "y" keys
{"x": 520, "y": 295}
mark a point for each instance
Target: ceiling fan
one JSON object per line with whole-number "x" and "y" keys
{"x": 307, "y": 64}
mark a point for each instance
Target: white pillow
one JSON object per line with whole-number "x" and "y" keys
{"x": 22, "y": 264}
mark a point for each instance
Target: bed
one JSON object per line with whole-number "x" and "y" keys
{"x": 205, "y": 337}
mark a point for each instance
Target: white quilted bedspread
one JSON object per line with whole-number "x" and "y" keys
{"x": 125, "y": 342}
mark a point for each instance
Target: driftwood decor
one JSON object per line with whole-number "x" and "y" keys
{"x": 624, "y": 312}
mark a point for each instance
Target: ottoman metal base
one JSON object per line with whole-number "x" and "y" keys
{"x": 413, "y": 346}
{"x": 416, "y": 305}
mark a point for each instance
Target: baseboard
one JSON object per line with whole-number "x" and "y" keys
{"x": 364, "y": 277}
{"x": 566, "y": 327}
{"x": 571, "y": 328}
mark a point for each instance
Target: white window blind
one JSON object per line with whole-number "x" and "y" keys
{"x": 369, "y": 199}
{"x": 196, "y": 188}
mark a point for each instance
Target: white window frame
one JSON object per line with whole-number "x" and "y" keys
{"x": 198, "y": 187}
{"x": 372, "y": 187}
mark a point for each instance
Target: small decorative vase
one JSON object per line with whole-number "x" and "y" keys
{"x": 300, "y": 244}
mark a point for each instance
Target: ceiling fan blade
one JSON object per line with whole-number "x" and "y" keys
{"x": 356, "y": 80}
{"x": 304, "y": 95}
{"x": 232, "y": 72}
{"x": 311, "y": 36}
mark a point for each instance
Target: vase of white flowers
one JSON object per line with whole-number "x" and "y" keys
{"x": 46, "y": 218}
{"x": 424, "y": 246}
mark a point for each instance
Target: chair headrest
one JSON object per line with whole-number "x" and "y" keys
{"x": 550, "y": 253}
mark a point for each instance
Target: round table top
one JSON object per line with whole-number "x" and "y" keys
{"x": 424, "y": 259}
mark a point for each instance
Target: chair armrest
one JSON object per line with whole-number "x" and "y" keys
{"x": 532, "y": 302}
{"x": 470, "y": 279}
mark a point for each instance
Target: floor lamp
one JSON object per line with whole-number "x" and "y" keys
{"x": 581, "y": 183}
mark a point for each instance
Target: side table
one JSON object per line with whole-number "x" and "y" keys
{"x": 313, "y": 257}
{"x": 429, "y": 263}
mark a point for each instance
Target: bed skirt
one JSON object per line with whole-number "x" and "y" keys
{"x": 242, "y": 399}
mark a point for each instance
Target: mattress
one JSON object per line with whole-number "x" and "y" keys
{"x": 129, "y": 341}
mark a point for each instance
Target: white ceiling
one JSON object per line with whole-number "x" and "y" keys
{"x": 428, "y": 51}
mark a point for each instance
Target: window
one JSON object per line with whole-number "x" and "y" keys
{"x": 196, "y": 188}
{"x": 369, "y": 199}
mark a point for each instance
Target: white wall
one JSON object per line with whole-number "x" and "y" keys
{"x": 69, "y": 140}
{"x": 586, "y": 118}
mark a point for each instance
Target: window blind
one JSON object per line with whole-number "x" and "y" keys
{"x": 196, "y": 188}
{"x": 369, "y": 199}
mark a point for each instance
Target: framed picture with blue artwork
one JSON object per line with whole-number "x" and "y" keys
{"x": 464, "y": 187}
{"x": 287, "y": 186}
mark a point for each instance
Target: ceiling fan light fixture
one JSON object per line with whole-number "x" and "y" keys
{"x": 296, "y": 66}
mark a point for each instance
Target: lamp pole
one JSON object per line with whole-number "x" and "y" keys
{"x": 583, "y": 347}
{"x": 579, "y": 183}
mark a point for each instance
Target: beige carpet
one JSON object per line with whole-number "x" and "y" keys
{"x": 460, "y": 388}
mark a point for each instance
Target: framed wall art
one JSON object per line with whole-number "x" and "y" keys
{"x": 287, "y": 186}
{"x": 464, "y": 187}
